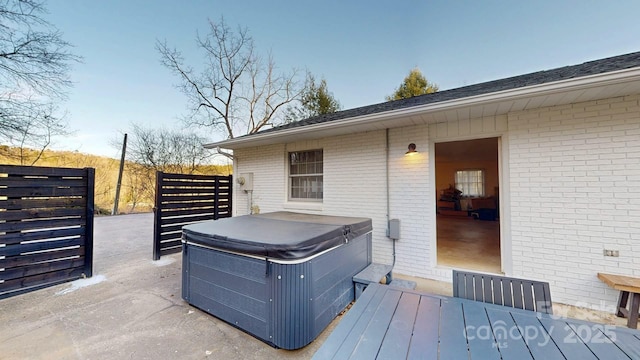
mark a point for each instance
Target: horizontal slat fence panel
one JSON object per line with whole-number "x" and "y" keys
{"x": 18, "y": 237}
{"x": 183, "y": 199}
{"x": 20, "y": 225}
{"x": 46, "y": 203}
{"x": 43, "y": 192}
{"x": 43, "y": 213}
{"x": 36, "y": 282}
{"x": 26, "y": 248}
{"x": 46, "y": 227}
{"x": 43, "y": 257}
{"x": 42, "y": 268}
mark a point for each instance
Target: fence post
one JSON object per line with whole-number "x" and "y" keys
{"x": 88, "y": 244}
{"x": 157, "y": 223}
{"x": 216, "y": 198}
{"x": 230, "y": 197}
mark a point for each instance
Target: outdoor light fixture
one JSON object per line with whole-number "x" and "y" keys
{"x": 412, "y": 149}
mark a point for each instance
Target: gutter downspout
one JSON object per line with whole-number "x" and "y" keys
{"x": 388, "y": 196}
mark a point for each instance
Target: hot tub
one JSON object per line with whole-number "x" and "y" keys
{"x": 282, "y": 277}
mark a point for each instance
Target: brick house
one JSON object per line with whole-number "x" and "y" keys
{"x": 563, "y": 172}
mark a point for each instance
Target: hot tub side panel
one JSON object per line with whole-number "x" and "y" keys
{"x": 309, "y": 295}
{"x": 231, "y": 287}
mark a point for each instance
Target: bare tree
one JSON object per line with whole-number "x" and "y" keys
{"x": 35, "y": 135}
{"x": 140, "y": 185}
{"x": 167, "y": 150}
{"x": 237, "y": 92}
{"x": 150, "y": 150}
{"x": 34, "y": 67}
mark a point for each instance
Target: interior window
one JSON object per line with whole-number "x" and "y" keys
{"x": 305, "y": 175}
{"x": 470, "y": 182}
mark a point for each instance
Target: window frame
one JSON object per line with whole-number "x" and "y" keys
{"x": 298, "y": 174}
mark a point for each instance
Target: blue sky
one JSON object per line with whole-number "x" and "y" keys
{"x": 362, "y": 48}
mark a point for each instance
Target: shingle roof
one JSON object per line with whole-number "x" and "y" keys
{"x": 595, "y": 67}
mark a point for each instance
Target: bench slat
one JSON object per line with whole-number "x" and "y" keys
{"x": 621, "y": 282}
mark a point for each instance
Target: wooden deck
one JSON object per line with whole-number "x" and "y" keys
{"x": 394, "y": 323}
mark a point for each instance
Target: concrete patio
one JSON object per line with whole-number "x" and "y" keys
{"x": 132, "y": 308}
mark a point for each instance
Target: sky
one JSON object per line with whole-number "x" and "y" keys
{"x": 363, "y": 49}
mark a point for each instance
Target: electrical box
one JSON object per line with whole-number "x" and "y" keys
{"x": 245, "y": 181}
{"x": 394, "y": 229}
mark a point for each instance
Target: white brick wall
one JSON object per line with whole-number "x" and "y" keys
{"x": 575, "y": 190}
{"x": 574, "y": 179}
{"x": 267, "y": 163}
{"x": 411, "y": 199}
{"x": 354, "y": 185}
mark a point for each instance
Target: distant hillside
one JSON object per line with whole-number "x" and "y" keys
{"x": 138, "y": 183}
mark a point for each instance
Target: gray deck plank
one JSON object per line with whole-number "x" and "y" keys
{"x": 453, "y": 342}
{"x": 360, "y": 312}
{"x": 482, "y": 344}
{"x": 540, "y": 343}
{"x": 353, "y": 337}
{"x": 424, "y": 343}
{"x": 395, "y": 323}
{"x": 627, "y": 342}
{"x": 396, "y": 342}
{"x": 597, "y": 342}
{"x": 510, "y": 343}
{"x": 373, "y": 335}
{"x": 570, "y": 346}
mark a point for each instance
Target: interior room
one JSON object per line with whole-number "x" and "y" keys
{"x": 468, "y": 214}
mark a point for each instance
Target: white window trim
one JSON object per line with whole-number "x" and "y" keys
{"x": 302, "y": 203}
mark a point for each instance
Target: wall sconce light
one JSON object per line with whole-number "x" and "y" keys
{"x": 412, "y": 149}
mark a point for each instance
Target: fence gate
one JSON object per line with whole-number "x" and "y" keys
{"x": 46, "y": 227}
{"x": 186, "y": 199}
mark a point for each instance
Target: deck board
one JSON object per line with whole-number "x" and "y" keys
{"x": 453, "y": 342}
{"x": 375, "y": 331}
{"x": 396, "y": 342}
{"x": 425, "y": 330}
{"x": 537, "y": 338}
{"x": 562, "y": 336}
{"x": 599, "y": 344}
{"x": 628, "y": 343}
{"x": 388, "y": 322}
{"x": 482, "y": 343}
{"x": 510, "y": 341}
{"x": 353, "y": 337}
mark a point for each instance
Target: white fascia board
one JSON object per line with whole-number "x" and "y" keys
{"x": 584, "y": 82}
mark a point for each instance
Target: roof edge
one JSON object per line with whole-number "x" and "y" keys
{"x": 602, "y": 79}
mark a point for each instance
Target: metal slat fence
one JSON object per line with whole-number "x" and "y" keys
{"x": 46, "y": 227}
{"x": 186, "y": 199}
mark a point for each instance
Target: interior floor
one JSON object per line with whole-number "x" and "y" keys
{"x": 469, "y": 244}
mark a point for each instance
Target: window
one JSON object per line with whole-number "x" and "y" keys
{"x": 470, "y": 182}
{"x": 305, "y": 175}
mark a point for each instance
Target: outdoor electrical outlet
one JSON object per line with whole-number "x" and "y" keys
{"x": 612, "y": 253}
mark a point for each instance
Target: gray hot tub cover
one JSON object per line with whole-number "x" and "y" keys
{"x": 278, "y": 235}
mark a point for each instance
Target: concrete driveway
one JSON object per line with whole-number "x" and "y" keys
{"x": 130, "y": 309}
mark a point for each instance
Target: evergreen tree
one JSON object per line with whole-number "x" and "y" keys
{"x": 414, "y": 84}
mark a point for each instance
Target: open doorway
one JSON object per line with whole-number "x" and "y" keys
{"x": 468, "y": 214}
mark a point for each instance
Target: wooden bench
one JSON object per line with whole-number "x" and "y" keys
{"x": 374, "y": 273}
{"x": 629, "y": 288}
